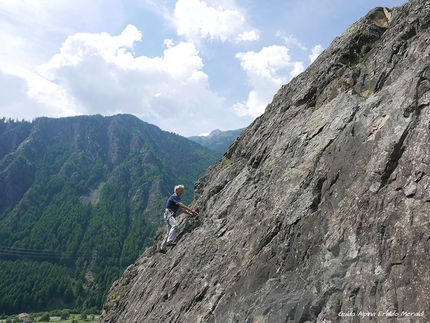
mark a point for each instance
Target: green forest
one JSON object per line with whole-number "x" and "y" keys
{"x": 71, "y": 255}
{"x": 80, "y": 199}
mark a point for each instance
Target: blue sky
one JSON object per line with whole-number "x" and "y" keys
{"x": 187, "y": 66}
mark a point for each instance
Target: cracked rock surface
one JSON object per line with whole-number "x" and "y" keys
{"x": 321, "y": 207}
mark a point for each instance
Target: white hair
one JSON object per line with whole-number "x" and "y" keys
{"x": 178, "y": 186}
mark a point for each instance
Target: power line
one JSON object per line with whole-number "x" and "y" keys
{"x": 39, "y": 253}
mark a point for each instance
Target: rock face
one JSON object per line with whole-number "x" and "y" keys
{"x": 320, "y": 210}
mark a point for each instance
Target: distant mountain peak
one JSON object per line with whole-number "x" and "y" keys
{"x": 217, "y": 140}
{"x": 215, "y": 132}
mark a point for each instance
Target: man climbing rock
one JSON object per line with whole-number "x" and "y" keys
{"x": 174, "y": 204}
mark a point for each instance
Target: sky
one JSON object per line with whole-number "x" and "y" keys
{"x": 186, "y": 66}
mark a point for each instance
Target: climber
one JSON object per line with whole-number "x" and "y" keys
{"x": 172, "y": 205}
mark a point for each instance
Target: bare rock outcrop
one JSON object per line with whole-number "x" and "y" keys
{"x": 320, "y": 210}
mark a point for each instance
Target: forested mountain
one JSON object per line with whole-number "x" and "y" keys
{"x": 217, "y": 140}
{"x": 80, "y": 199}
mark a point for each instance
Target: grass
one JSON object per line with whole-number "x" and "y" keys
{"x": 226, "y": 162}
{"x": 318, "y": 269}
{"x": 76, "y": 318}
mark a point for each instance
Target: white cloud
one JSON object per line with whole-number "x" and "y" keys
{"x": 33, "y": 31}
{"x": 266, "y": 73}
{"x": 298, "y": 67}
{"x": 102, "y": 76}
{"x": 316, "y": 51}
{"x": 31, "y": 97}
{"x": 290, "y": 40}
{"x": 249, "y": 36}
{"x": 196, "y": 18}
{"x": 40, "y": 26}
{"x": 13, "y": 89}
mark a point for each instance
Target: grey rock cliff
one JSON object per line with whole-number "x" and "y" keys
{"x": 321, "y": 208}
